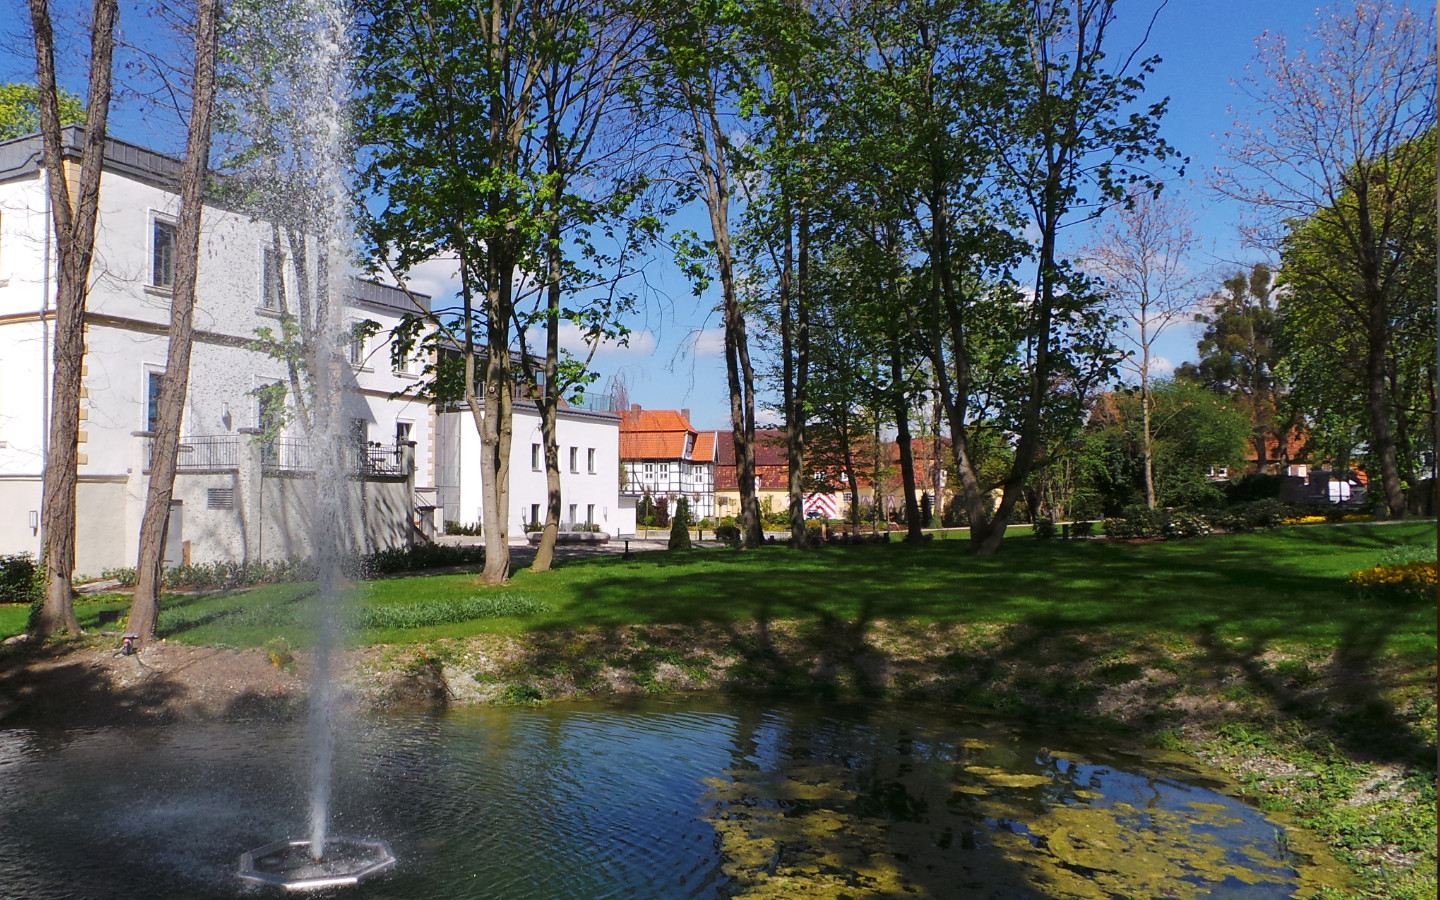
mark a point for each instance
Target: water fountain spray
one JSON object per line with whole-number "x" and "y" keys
{"x": 323, "y": 860}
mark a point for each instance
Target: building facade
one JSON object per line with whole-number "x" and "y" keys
{"x": 245, "y": 474}
{"x": 666, "y": 458}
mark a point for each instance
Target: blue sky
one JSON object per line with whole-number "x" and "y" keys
{"x": 674, "y": 360}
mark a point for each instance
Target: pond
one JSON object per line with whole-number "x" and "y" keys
{"x": 686, "y": 798}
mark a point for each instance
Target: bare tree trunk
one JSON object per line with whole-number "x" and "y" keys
{"x": 1149, "y": 448}
{"x": 913, "y": 528}
{"x": 549, "y": 403}
{"x": 75, "y": 245}
{"x": 145, "y": 607}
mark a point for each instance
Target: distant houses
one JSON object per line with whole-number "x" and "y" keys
{"x": 665, "y": 457}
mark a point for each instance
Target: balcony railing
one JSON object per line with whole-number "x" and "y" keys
{"x": 202, "y": 453}
{"x": 224, "y": 452}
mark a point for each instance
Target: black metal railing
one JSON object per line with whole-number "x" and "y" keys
{"x": 224, "y": 452}
{"x": 202, "y": 453}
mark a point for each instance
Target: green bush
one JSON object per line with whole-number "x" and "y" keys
{"x": 452, "y": 527}
{"x": 730, "y": 534}
{"x": 679, "y": 532}
{"x": 20, "y": 579}
{"x": 1082, "y": 529}
{"x": 1045, "y": 528}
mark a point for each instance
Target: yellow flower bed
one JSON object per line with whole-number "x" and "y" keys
{"x": 1305, "y": 520}
{"x": 1414, "y": 578}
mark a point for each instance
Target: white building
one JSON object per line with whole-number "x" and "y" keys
{"x": 238, "y": 496}
{"x": 242, "y": 492}
{"x": 589, "y": 444}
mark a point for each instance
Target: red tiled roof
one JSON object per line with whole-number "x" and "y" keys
{"x": 662, "y": 434}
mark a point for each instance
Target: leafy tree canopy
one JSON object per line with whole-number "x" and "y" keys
{"x": 20, "y": 111}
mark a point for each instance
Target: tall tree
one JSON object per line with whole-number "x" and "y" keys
{"x": 73, "y": 210}
{"x": 1324, "y": 337}
{"x": 1075, "y": 145}
{"x": 591, "y": 185}
{"x": 165, "y": 443}
{"x": 1335, "y": 114}
{"x": 1240, "y": 351}
{"x": 448, "y": 104}
{"x": 701, "y": 64}
{"x": 1142, "y": 256}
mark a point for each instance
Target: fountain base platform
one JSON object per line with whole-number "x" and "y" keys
{"x": 289, "y": 864}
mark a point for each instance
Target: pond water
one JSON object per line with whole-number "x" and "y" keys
{"x": 690, "y": 798}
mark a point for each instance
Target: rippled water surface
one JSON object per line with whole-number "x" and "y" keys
{"x": 691, "y": 799}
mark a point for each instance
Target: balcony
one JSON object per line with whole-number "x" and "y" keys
{"x": 202, "y": 453}
{"x": 278, "y": 456}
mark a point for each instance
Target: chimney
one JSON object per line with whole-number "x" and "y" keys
{"x": 634, "y": 407}
{"x": 685, "y": 414}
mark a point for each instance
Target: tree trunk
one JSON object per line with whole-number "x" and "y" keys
{"x": 1149, "y": 448}
{"x": 75, "y": 244}
{"x": 145, "y": 607}
{"x": 913, "y": 528}
{"x": 496, "y": 433}
{"x": 549, "y": 403}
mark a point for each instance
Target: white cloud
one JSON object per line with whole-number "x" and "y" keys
{"x": 1160, "y": 367}
{"x": 707, "y": 342}
{"x": 438, "y": 277}
{"x": 639, "y": 343}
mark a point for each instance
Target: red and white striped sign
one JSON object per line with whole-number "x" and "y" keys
{"x": 827, "y": 505}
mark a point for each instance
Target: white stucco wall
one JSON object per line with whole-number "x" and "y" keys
{"x": 125, "y": 340}
{"x": 582, "y": 430}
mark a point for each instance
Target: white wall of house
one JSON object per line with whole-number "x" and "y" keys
{"x": 588, "y": 493}
{"x": 125, "y": 341}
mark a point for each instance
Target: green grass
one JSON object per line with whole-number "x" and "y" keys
{"x": 1286, "y": 586}
{"x": 1279, "y": 588}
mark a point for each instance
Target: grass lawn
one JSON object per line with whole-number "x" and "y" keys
{"x": 1283, "y": 587}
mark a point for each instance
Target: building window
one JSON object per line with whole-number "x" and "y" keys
{"x": 220, "y": 498}
{"x": 649, "y": 470}
{"x": 534, "y": 513}
{"x": 162, "y": 259}
{"x": 152, "y": 399}
{"x": 589, "y": 514}
{"x": 535, "y": 457}
{"x": 664, "y": 470}
{"x": 272, "y": 278}
{"x": 574, "y": 459}
{"x": 402, "y": 433}
{"x": 357, "y": 345}
{"x": 574, "y": 508}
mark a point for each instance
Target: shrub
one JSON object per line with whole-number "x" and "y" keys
{"x": 813, "y": 531}
{"x": 1082, "y": 529}
{"x": 20, "y": 579}
{"x": 730, "y": 534}
{"x": 679, "y": 532}
{"x": 1045, "y": 528}
{"x": 452, "y": 527}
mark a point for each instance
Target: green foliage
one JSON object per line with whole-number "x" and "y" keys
{"x": 1045, "y": 528}
{"x": 729, "y": 534}
{"x": 1194, "y": 431}
{"x": 679, "y": 534}
{"x": 21, "y": 578}
{"x": 20, "y": 110}
{"x": 453, "y": 527}
{"x": 229, "y": 575}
